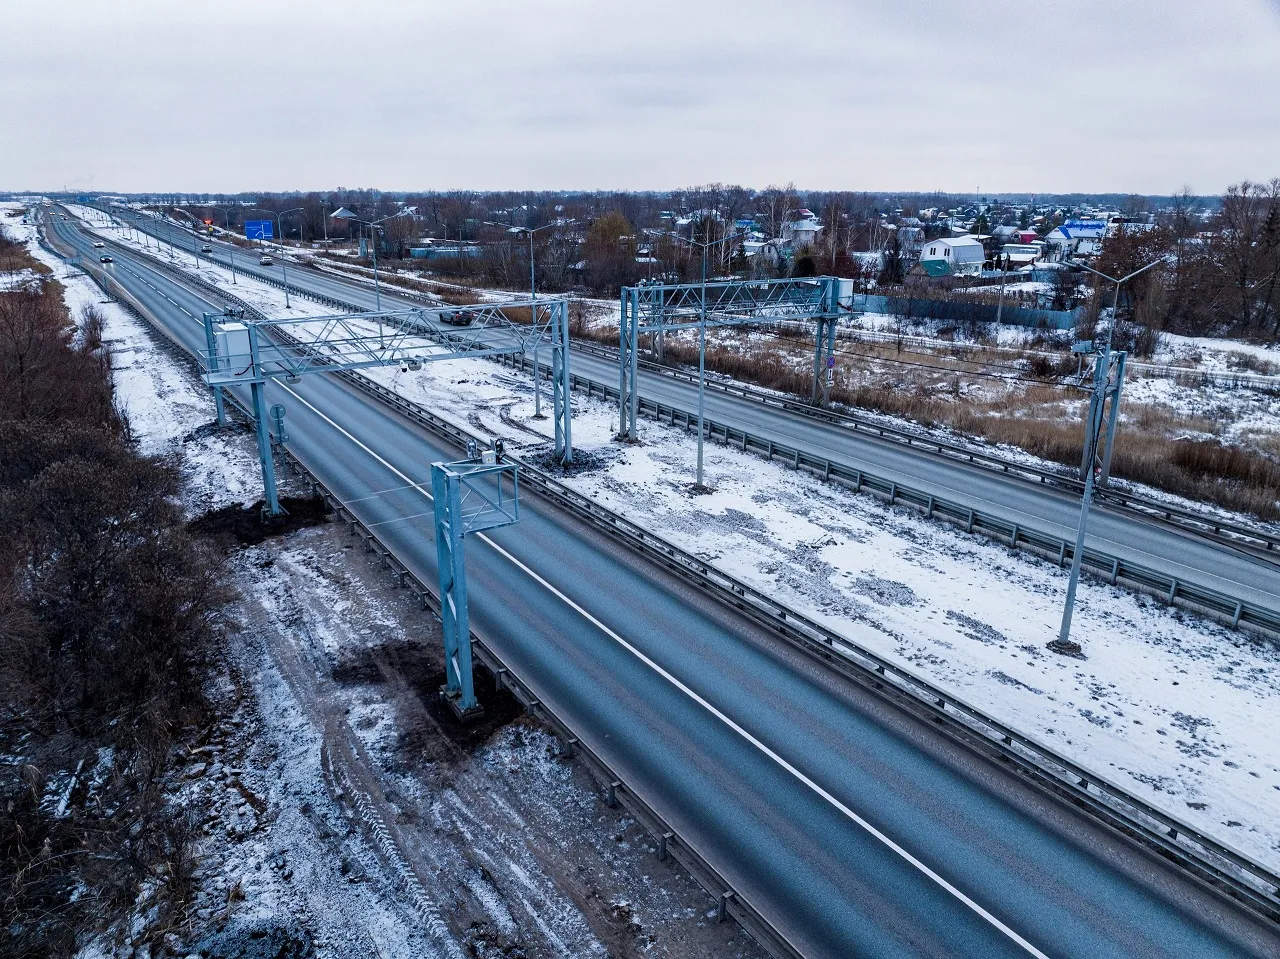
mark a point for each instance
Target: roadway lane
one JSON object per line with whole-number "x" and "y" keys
{"x": 1189, "y": 558}
{"x": 854, "y": 828}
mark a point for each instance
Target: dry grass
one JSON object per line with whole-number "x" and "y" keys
{"x": 1156, "y": 446}
{"x": 14, "y": 256}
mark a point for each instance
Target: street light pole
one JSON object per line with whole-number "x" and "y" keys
{"x": 533, "y": 295}
{"x": 1064, "y": 643}
{"x": 284, "y": 260}
{"x": 226, "y": 221}
{"x": 342, "y": 213}
{"x": 195, "y": 256}
{"x": 702, "y": 338}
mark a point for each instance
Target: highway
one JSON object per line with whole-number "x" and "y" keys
{"x": 1185, "y": 556}
{"x": 854, "y": 827}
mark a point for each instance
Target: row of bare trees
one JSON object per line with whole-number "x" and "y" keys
{"x": 1221, "y": 274}
{"x": 108, "y": 608}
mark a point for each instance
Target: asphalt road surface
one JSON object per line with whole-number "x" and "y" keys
{"x": 853, "y": 827}
{"x": 1051, "y": 511}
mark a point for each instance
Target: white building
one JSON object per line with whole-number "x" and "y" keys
{"x": 962, "y": 254}
{"x": 1020, "y": 254}
{"x": 801, "y": 233}
{"x": 1078, "y": 237}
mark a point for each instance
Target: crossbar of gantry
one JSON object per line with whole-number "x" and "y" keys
{"x": 250, "y": 355}
{"x": 655, "y": 309}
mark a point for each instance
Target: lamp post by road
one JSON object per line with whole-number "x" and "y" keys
{"x": 533, "y": 295}
{"x": 704, "y": 245}
{"x": 1064, "y": 643}
{"x": 342, "y": 213}
{"x": 226, "y": 222}
{"x": 194, "y": 255}
{"x": 284, "y": 260}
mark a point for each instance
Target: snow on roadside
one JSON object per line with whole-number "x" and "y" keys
{"x": 1170, "y": 707}
{"x": 168, "y": 408}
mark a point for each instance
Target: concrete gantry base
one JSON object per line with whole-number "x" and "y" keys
{"x": 464, "y": 716}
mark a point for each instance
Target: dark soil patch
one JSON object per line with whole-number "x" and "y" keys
{"x": 246, "y": 526}
{"x": 234, "y": 425}
{"x": 257, "y": 942}
{"x": 584, "y": 461}
{"x": 500, "y": 708}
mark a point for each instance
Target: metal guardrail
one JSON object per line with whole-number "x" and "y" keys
{"x": 1259, "y": 541}
{"x": 1226, "y": 868}
{"x": 1218, "y": 530}
{"x": 1216, "y": 604}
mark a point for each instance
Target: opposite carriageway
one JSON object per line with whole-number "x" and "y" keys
{"x": 552, "y": 600}
{"x": 1186, "y": 564}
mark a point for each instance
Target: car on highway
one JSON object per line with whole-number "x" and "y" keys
{"x": 266, "y": 260}
{"x": 98, "y": 245}
{"x": 456, "y": 317}
{"x": 206, "y": 248}
{"x": 106, "y": 258}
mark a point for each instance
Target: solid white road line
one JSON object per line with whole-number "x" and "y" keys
{"x": 784, "y": 764}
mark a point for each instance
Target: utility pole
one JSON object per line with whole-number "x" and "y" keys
{"x": 284, "y": 261}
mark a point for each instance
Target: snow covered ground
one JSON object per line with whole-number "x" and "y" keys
{"x": 1169, "y": 706}
{"x": 507, "y": 840}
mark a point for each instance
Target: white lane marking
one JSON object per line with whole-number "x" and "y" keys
{"x": 714, "y": 711}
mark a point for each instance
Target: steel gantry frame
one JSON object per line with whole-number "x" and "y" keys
{"x": 657, "y": 308}
{"x": 463, "y": 503}
{"x": 243, "y": 352}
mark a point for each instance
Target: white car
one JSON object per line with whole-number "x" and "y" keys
{"x": 266, "y": 260}
{"x": 98, "y": 245}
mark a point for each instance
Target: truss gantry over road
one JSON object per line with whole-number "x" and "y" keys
{"x": 656, "y": 309}
{"x": 244, "y": 352}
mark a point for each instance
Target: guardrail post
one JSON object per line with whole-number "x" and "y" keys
{"x": 722, "y": 912}
{"x": 665, "y": 838}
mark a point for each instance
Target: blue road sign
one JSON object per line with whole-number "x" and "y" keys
{"x": 258, "y": 229}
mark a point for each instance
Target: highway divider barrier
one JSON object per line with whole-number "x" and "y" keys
{"x": 1211, "y": 860}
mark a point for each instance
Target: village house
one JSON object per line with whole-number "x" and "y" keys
{"x": 961, "y": 254}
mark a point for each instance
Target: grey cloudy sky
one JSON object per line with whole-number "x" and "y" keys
{"x": 1002, "y": 95}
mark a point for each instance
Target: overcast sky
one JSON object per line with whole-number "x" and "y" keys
{"x": 1032, "y": 95}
